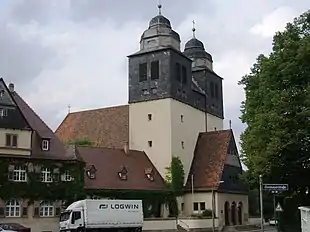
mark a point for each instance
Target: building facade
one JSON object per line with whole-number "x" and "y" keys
{"x": 35, "y": 168}
{"x": 175, "y": 108}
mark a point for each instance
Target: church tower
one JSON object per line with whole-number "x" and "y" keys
{"x": 205, "y": 77}
{"x": 165, "y": 114}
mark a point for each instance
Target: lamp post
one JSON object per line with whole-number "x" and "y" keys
{"x": 192, "y": 183}
{"x": 261, "y": 202}
{"x": 213, "y": 207}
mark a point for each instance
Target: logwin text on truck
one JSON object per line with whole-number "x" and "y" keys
{"x": 102, "y": 215}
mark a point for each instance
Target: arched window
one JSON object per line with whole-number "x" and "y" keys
{"x": 12, "y": 208}
{"x": 46, "y": 209}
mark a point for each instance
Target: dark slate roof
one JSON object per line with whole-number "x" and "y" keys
{"x": 194, "y": 43}
{"x": 209, "y": 159}
{"x": 195, "y": 48}
{"x": 109, "y": 162}
{"x": 106, "y": 127}
{"x": 57, "y": 150}
{"x": 159, "y": 20}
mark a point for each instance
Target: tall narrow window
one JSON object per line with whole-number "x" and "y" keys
{"x": 150, "y": 143}
{"x": 12, "y": 208}
{"x": 11, "y": 140}
{"x": 178, "y": 71}
{"x": 216, "y": 91}
{"x": 155, "y": 70}
{"x": 3, "y": 112}
{"x": 212, "y": 89}
{"x": 46, "y": 209}
{"x": 45, "y": 145}
{"x": 184, "y": 75}
{"x": 196, "y": 206}
{"x": 143, "y": 72}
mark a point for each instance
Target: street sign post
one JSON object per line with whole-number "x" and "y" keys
{"x": 275, "y": 187}
{"x": 279, "y": 208}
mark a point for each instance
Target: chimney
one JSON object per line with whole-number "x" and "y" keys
{"x": 126, "y": 148}
{"x": 11, "y": 87}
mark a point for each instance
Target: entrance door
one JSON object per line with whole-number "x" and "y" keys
{"x": 233, "y": 213}
{"x": 226, "y": 213}
{"x": 240, "y": 213}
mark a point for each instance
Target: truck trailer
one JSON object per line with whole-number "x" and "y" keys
{"x": 102, "y": 215}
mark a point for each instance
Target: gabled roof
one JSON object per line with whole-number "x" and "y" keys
{"x": 108, "y": 127}
{"x": 209, "y": 160}
{"x": 56, "y": 148}
{"x": 109, "y": 162}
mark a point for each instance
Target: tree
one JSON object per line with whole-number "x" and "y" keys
{"x": 175, "y": 181}
{"x": 175, "y": 176}
{"x": 82, "y": 142}
{"x": 277, "y": 110}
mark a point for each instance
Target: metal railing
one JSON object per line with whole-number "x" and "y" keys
{"x": 183, "y": 225}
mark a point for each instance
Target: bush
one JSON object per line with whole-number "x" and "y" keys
{"x": 207, "y": 213}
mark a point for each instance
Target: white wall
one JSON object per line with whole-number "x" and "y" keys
{"x": 166, "y": 131}
{"x": 197, "y": 197}
{"x": 171, "y": 224}
{"x": 160, "y": 224}
{"x": 214, "y": 122}
{"x": 23, "y": 142}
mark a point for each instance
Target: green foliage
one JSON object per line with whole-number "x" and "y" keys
{"x": 254, "y": 202}
{"x": 277, "y": 110}
{"x": 34, "y": 189}
{"x": 175, "y": 182}
{"x": 207, "y": 213}
{"x": 82, "y": 142}
{"x": 175, "y": 176}
{"x": 151, "y": 199}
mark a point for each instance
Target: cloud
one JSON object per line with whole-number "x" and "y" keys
{"x": 274, "y": 21}
{"x": 74, "y": 51}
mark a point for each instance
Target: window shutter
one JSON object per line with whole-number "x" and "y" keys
{"x": 36, "y": 212}
{"x": 56, "y": 176}
{"x": 8, "y": 140}
{"x": 1, "y": 211}
{"x": 25, "y": 212}
{"x": 57, "y": 213}
{"x": 14, "y": 140}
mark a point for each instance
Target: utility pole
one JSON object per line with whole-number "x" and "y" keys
{"x": 192, "y": 182}
{"x": 261, "y": 202}
{"x": 213, "y": 209}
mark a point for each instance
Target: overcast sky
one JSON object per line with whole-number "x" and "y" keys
{"x": 60, "y": 52}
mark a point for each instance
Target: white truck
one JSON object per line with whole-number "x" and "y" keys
{"x": 102, "y": 215}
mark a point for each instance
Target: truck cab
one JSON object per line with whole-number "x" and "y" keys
{"x": 72, "y": 220}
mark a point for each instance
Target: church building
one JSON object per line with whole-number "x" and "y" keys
{"x": 175, "y": 108}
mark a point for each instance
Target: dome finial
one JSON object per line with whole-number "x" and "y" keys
{"x": 194, "y": 29}
{"x": 159, "y": 7}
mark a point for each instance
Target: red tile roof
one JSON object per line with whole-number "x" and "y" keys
{"x": 106, "y": 127}
{"x": 109, "y": 162}
{"x": 209, "y": 159}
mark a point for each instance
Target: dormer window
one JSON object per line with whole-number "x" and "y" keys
{"x": 3, "y": 112}
{"x": 123, "y": 173}
{"x": 1, "y": 93}
{"x": 45, "y": 144}
{"x": 149, "y": 173}
{"x": 91, "y": 172}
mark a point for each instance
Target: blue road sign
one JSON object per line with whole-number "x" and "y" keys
{"x": 275, "y": 187}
